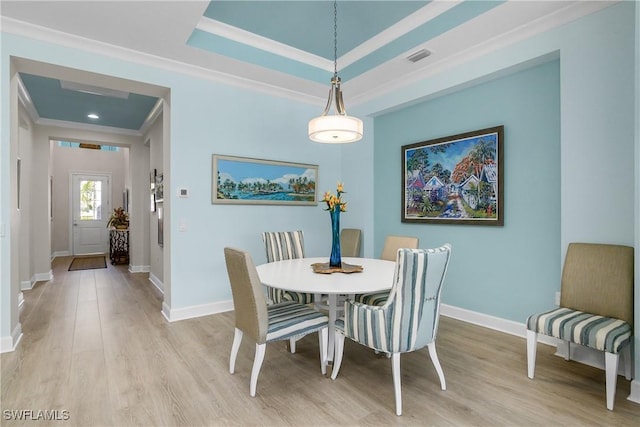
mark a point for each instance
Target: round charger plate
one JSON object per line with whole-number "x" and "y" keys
{"x": 324, "y": 268}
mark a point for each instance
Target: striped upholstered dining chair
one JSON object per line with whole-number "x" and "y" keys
{"x": 282, "y": 245}
{"x": 389, "y": 251}
{"x": 596, "y": 309}
{"x": 264, "y": 323}
{"x": 408, "y": 321}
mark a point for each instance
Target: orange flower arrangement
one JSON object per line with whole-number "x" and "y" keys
{"x": 334, "y": 201}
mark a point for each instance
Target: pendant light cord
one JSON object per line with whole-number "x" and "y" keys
{"x": 335, "y": 39}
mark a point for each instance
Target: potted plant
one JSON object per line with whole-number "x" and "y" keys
{"x": 119, "y": 219}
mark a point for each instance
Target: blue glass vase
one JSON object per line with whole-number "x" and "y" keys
{"x": 335, "y": 260}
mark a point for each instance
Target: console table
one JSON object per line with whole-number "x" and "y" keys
{"x": 119, "y": 246}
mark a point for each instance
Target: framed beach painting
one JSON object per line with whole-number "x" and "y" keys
{"x": 242, "y": 180}
{"x": 457, "y": 179}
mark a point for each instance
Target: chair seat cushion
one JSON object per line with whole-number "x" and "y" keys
{"x": 374, "y": 298}
{"x": 598, "y": 332}
{"x": 289, "y": 319}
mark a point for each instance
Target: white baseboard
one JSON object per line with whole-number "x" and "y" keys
{"x": 173, "y": 315}
{"x": 42, "y": 277}
{"x": 20, "y": 300}
{"x": 10, "y": 343}
{"x": 579, "y": 353}
{"x": 27, "y": 285}
{"x": 60, "y": 253}
{"x": 139, "y": 268}
{"x": 496, "y": 323}
{"x": 156, "y": 282}
{"x": 634, "y": 396}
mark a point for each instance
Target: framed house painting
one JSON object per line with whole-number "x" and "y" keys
{"x": 241, "y": 180}
{"x": 457, "y": 179}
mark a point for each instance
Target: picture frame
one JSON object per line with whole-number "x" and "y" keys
{"x": 152, "y": 190}
{"x": 457, "y": 179}
{"x": 243, "y": 180}
{"x": 160, "y": 212}
{"x": 159, "y": 188}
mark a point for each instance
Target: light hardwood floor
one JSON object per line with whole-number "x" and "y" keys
{"x": 96, "y": 345}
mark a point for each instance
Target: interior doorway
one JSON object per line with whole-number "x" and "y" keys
{"x": 90, "y": 207}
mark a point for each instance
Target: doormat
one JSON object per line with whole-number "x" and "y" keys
{"x": 88, "y": 263}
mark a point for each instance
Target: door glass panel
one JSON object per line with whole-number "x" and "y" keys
{"x": 90, "y": 200}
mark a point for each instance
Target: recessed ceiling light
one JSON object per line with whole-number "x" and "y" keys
{"x": 93, "y": 116}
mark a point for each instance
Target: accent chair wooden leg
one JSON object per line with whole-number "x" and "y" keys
{"x": 436, "y": 364}
{"x": 611, "y": 367}
{"x": 395, "y": 368}
{"x": 322, "y": 342}
{"x": 237, "y": 339}
{"x": 339, "y": 349}
{"x": 257, "y": 364}
{"x": 532, "y": 343}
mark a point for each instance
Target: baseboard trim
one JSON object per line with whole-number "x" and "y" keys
{"x": 156, "y": 282}
{"x": 139, "y": 268}
{"x": 579, "y": 353}
{"x": 27, "y": 285}
{"x": 634, "y": 396}
{"x": 174, "y": 315}
{"x": 60, "y": 253}
{"x": 42, "y": 277}
{"x": 20, "y": 300}
{"x": 496, "y": 323}
{"x": 10, "y": 343}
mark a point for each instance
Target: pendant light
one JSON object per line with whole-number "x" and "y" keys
{"x": 335, "y": 128}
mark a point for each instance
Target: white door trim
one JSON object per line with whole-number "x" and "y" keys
{"x": 72, "y": 174}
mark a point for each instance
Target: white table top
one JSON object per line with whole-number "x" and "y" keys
{"x": 297, "y": 275}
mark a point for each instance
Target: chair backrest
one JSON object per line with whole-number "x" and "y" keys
{"x": 249, "y": 303}
{"x": 282, "y": 245}
{"x": 598, "y": 279}
{"x": 393, "y": 243}
{"x": 350, "y": 242}
{"x": 414, "y": 299}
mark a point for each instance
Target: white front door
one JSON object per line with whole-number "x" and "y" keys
{"x": 90, "y": 212}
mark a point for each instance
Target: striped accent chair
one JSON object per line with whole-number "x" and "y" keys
{"x": 281, "y": 245}
{"x": 596, "y": 308}
{"x": 263, "y": 323}
{"x": 408, "y": 321}
{"x": 389, "y": 251}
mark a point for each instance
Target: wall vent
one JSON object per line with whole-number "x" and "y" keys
{"x": 417, "y": 56}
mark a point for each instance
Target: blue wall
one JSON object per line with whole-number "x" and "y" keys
{"x": 505, "y": 271}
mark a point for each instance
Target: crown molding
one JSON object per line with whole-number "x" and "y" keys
{"x": 152, "y": 116}
{"x": 25, "y": 100}
{"x": 248, "y": 38}
{"x": 571, "y": 12}
{"x": 420, "y": 17}
{"x": 43, "y": 34}
{"x": 87, "y": 127}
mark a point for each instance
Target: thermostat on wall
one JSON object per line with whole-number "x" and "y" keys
{"x": 183, "y": 192}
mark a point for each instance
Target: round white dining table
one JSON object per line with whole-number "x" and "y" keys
{"x": 297, "y": 275}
